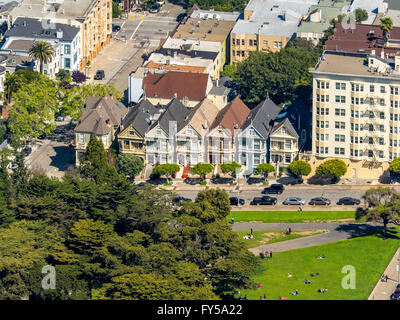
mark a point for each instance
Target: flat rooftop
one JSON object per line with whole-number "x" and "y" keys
{"x": 206, "y": 30}
{"x": 20, "y": 45}
{"x": 198, "y": 45}
{"x": 348, "y": 65}
{"x": 62, "y": 9}
{"x": 273, "y": 17}
{"x": 212, "y": 14}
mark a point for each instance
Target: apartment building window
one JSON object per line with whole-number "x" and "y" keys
{"x": 394, "y": 91}
{"x": 357, "y": 87}
{"x": 277, "y": 44}
{"x": 265, "y": 43}
{"x": 238, "y": 42}
{"x": 383, "y": 89}
{"x": 339, "y": 125}
{"x": 251, "y": 42}
{"x": 244, "y": 142}
{"x": 242, "y": 53}
{"x": 371, "y": 88}
{"x": 340, "y": 86}
{"x": 381, "y": 128}
{"x": 67, "y": 63}
{"x": 340, "y": 99}
{"x": 380, "y": 154}
{"x": 257, "y": 145}
{"x": 339, "y": 151}
{"x": 67, "y": 49}
{"x": 322, "y": 84}
{"x": 357, "y": 101}
{"x": 381, "y": 141}
{"x": 255, "y": 42}
{"x": 382, "y": 102}
{"x": 394, "y": 104}
{"x": 340, "y": 112}
{"x": 371, "y": 127}
{"x": 323, "y": 124}
{"x": 339, "y": 138}
{"x": 370, "y": 153}
{"x": 243, "y": 42}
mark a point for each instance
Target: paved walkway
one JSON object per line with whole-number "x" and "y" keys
{"x": 383, "y": 290}
{"x": 335, "y": 232}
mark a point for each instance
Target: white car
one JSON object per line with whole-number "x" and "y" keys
{"x": 294, "y": 201}
{"x": 161, "y": 3}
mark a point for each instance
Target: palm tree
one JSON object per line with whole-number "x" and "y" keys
{"x": 11, "y": 84}
{"x": 386, "y": 26}
{"x": 42, "y": 51}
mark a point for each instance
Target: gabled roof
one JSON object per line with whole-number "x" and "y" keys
{"x": 190, "y": 85}
{"x": 175, "y": 111}
{"x": 140, "y": 117}
{"x": 232, "y": 116}
{"x": 262, "y": 117}
{"x": 202, "y": 116}
{"x": 99, "y": 111}
{"x": 285, "y": 122}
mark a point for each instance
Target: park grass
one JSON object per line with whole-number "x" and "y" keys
{"x": 368, "y": 254}
{"x": 292, "y": 216}
{"x": 272, "y": 236}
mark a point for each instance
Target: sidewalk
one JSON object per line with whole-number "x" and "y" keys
{"x": 383, "y": 290}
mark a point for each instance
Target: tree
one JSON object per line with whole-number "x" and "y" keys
{"x": 394, "y": 166}
{"x": 202, "y": 169}
{"x": 167, "y": 169}
{"x": 274, "y": 74}
{"x": 361, "y": 15}
{"x": 116, "y": 11}
{"x": 383, "y": 206}
{"x": 78, "y": 77}
{"x": 64, "y": 76}
{"x": 42, "y": 51}
{"x": 129, "y": 165}
{"x": 334, "y": 168}
{"x": 229, "y": 70}
{"x": 299, "y": 168}
{"x": 11, "y": 84}
{"x": 264, "y": 169}
{"x": 231, "y": 168}
{"x": 386, "y": 26}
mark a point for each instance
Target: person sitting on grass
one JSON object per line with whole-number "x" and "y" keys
{"x": 295, "y": 293}
{"x": 307, "y": 282}
{"x": 289, "y": 275}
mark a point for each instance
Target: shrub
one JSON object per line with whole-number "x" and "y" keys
{"x": 334, "y": 168}
{"x": 203, "y": 182}
{"x": 395, "y": 165}
{"x": 299, "y": 168}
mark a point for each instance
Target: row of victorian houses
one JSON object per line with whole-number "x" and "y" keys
{"x": 175, "y": 133}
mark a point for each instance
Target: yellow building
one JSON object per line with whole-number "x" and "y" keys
{"x": 92, "y": 17}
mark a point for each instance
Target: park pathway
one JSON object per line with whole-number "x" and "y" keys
{"x": 383, "y": 290}
{"x": 334, "y": 232}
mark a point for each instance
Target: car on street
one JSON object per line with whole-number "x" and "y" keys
{"x": 321, "y": 201}
{"x": 42, "y": 136}
{"x": 236, "y": 201}
{"x": 265, "y": 200}
{"x": 155, "y": 8}
{"x": 294, "y": 201}
{"x": 115, "y": 28}
{"x": 100, "y": 75}
{"x": 348, "y": 201}
{"x": 395, "y": 296}
{"x": 274, "y": 189}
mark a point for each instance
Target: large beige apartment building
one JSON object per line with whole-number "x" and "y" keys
{"x": 267, "y": 25}
{"x": 92, "y": 17}
{"x": 356, "y": 111}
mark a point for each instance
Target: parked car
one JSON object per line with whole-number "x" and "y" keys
{"x": 161, "y": 3}
{"x": 265, "y": 200}
{"x": 180, "y": 199}
{"x": 115, "y": 28}
{"x": 27, "y": 151}
{"x": 100, "y": 75}
{"x": 141, "y": 184}
{"x": 294, "y": 201}
{"x": 236, "y": 201}
{"x": 395, "y": 296}
{"x": 155, "y": 8}
{"x": 42, "y": 136}
{"x": 348, "y": 201}
{"x": 274, "y": 189}
{"x": 320, "y": 201}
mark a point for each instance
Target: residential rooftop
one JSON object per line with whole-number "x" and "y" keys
{"x": 63, "y": 9}
{"x": 33, "y": 28}
{"x": 196, "y": 45}
{"x": 203, "y": 64}
{"x": 273, "y": 17}
{"x": 204, "y": 30}
{"x": 212, "y": 14}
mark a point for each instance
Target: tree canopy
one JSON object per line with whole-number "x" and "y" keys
{"x": 334, "y": 168}
{"x": 230, "y": 168}
{"x": 299, "y": 168}
{"x": 202, "y": 169}
{"x": 264, "y": 169}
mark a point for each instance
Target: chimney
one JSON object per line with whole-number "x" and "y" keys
{"x": 383, "y": 54}
{"x": 60, "y": 34}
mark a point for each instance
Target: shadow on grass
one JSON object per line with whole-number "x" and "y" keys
{"x": 364, "y": 229}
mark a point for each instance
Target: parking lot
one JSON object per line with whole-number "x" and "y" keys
{"x": 140, "y": 34}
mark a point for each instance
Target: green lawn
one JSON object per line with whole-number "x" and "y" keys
{"x": 272, "y": 236}
{"x": 369, "y": 255}
{"x": 290, "y": 216}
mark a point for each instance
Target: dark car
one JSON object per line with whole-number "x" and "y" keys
{"x": 320, "y": 201}
{"x": 348, "y": 201}
{"x": 236, "y": 201}
{"x": 141, "y": 184}
{"x": 266, "y": 200}
{"x": 395, "y": 296}
{"x": 181, "y": 199}
{"x": 115, "y": 28}
{"x": 42, "y": 136}
{"x": 155, "y": 8}
{"x": 274, "y": 189}
{"x": 100, "y": 75}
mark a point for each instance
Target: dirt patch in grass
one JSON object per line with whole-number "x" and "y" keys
{"x": 308, "y": 232}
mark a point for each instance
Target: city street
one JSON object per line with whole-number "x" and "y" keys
{"x": 140, "y": 34}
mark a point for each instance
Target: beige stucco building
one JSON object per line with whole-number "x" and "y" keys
{"x": 356, "y": 115}
{"x": 92, "y": 17}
